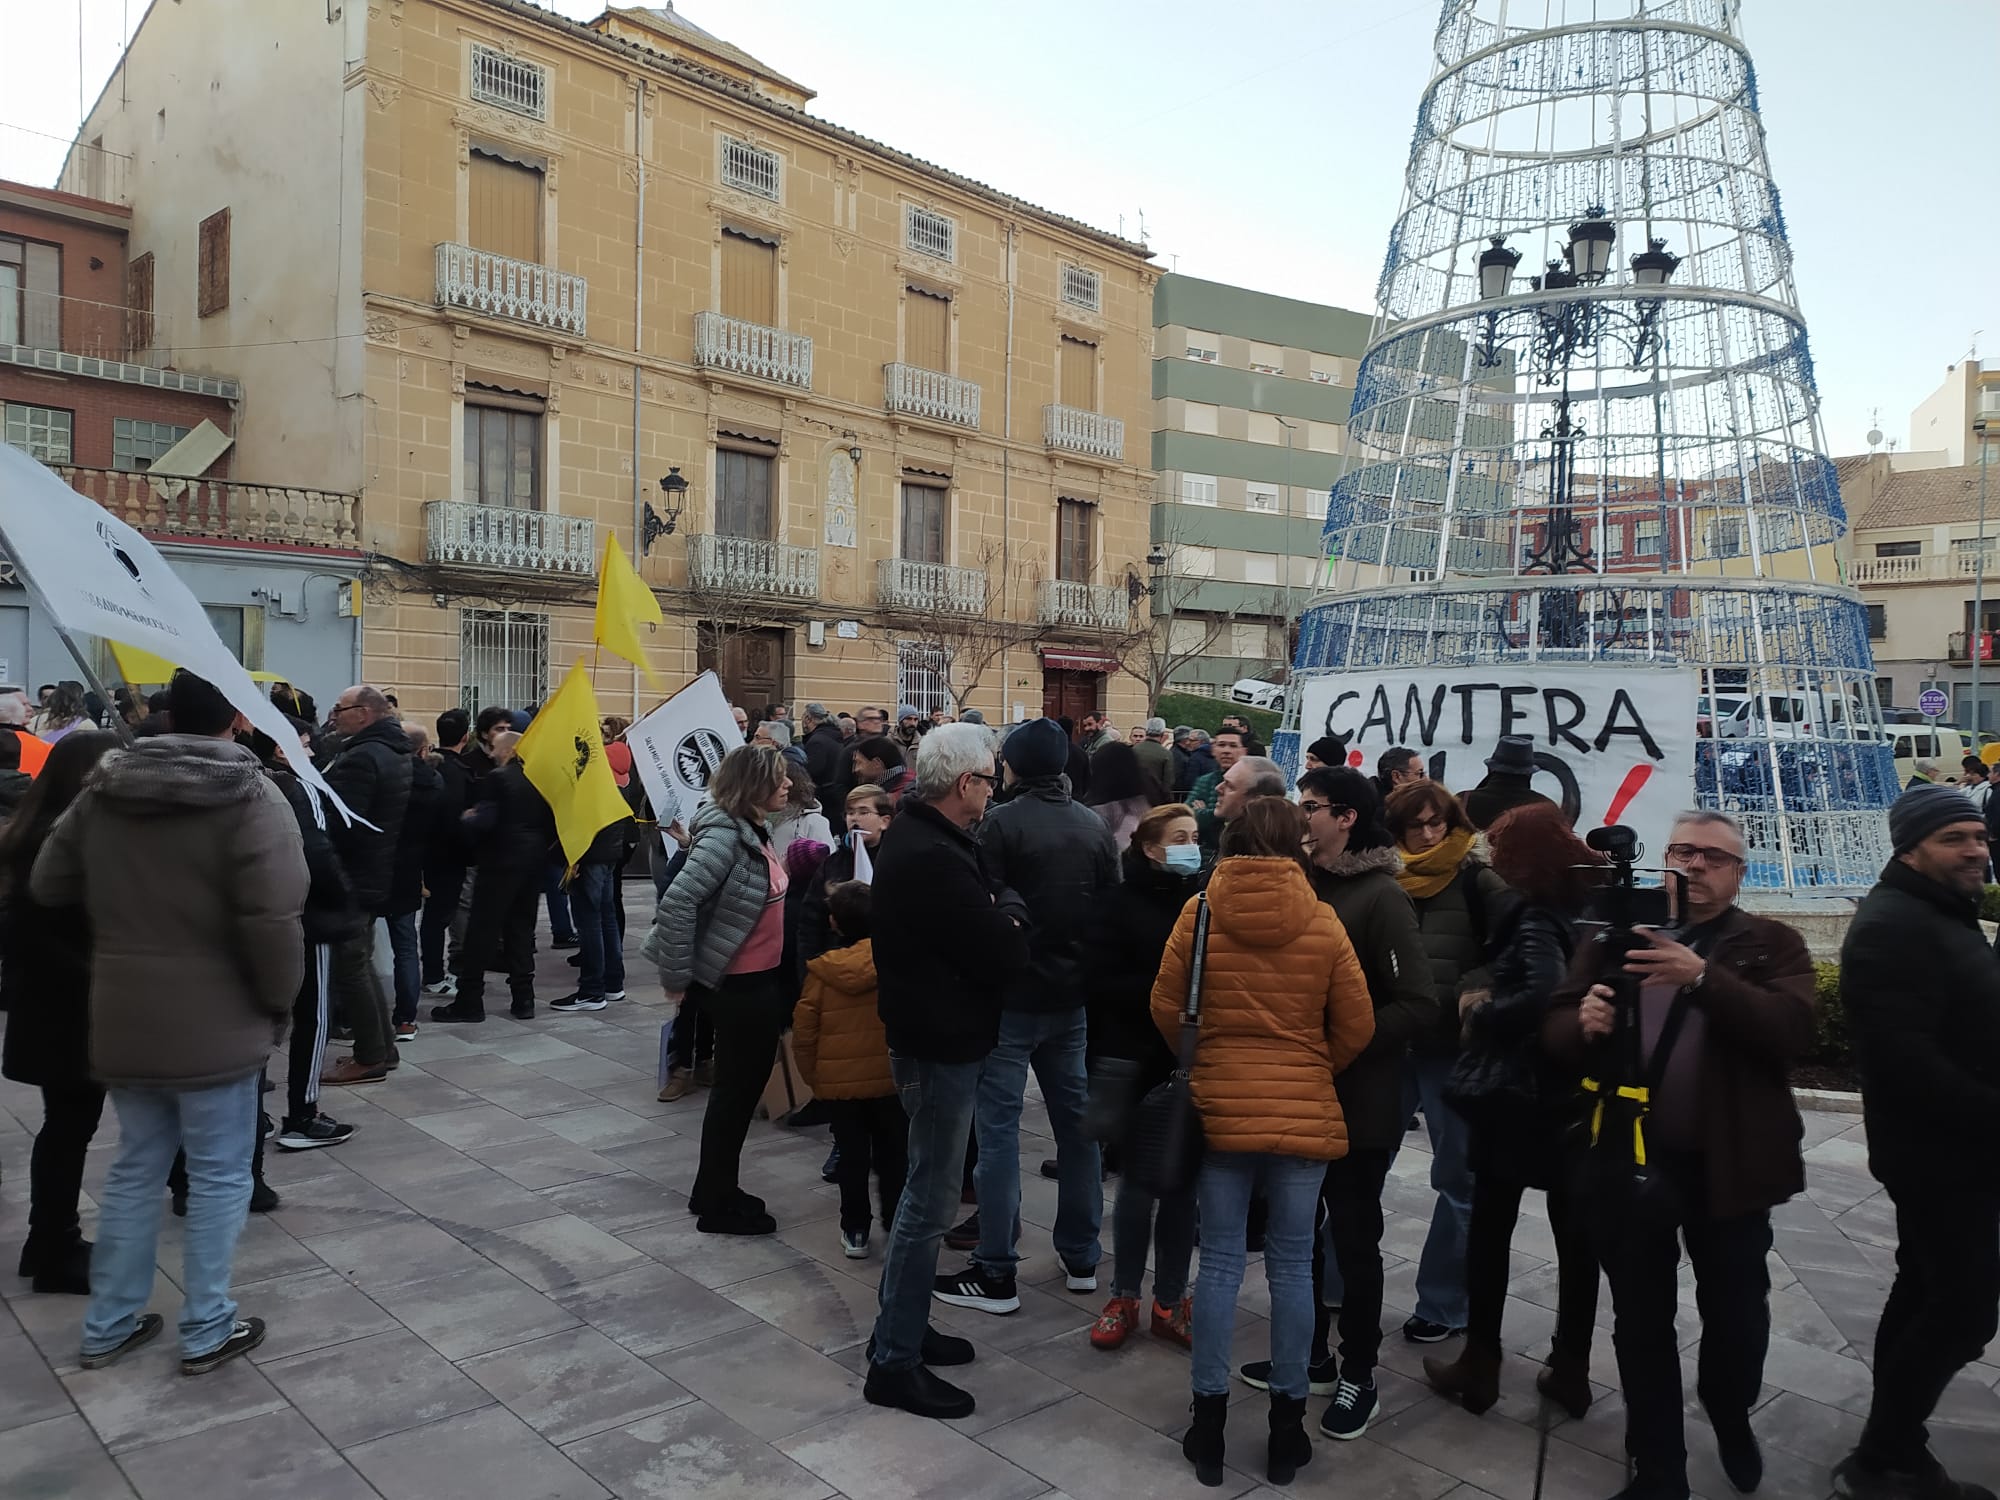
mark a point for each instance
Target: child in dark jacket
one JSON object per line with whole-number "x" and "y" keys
{"x": 838, "y": 1040}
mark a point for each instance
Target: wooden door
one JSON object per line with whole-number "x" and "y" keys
{"x": 1069, "y": 692}
{"x": 751, "y": 664}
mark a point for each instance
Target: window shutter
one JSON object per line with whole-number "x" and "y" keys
{"x": 926, "y": 330}
{"x": 504, "y": 211}
{"x": 923, "y": 523}
{"x": 749, "y": 279}
{"x": 1073, "y": 561}
{"x": 41, "y": 296}
{"x": 139, "y": 301}
{"x": 1079, "y": 374}
{"x": 213, "y": 267}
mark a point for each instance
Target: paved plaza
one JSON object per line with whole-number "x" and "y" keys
{"x": 495, "y": 1290}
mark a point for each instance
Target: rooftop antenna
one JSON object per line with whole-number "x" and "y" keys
{"x": 1973, "y": 352}
{"x": 1874, "y": 429}
{"x": 1142, "y": 226}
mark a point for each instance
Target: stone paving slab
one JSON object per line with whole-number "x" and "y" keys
{"x": 495, "y": 1289}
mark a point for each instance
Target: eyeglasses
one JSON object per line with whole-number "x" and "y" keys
{"x": 1309, "y": 808}
{"x": 1688, "y": 854}
{"x": 340, "y": 708}
{"x": 986, "y": 776}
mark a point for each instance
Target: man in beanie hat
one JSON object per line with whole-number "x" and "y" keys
{"x": 1059, "y": 858}
{"x": 1729, "y": 998}
{"x": 1929, "y": 1049}
{"x": 910, "y": 727}
{"x": 1509, "y": 771}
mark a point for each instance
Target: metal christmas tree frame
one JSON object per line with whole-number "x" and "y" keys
{"x": 1586, "y": 428}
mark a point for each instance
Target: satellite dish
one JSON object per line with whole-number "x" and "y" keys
{"x": 1874, "y": 437}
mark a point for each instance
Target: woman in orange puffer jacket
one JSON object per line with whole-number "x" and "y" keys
{"x": 1284, "y": 1007}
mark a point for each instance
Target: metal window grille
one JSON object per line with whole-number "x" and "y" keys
{"x": 503, "y": 658}
{"x": 510, "y": 83}
{"x": 750, "y": 169}
{"x": 42, "y": 432}
{"x": 929, "y": 233}
{"x": 923, "y": 675}
{"x": 1081, "y": 288}
{"x": 135, "y": 443}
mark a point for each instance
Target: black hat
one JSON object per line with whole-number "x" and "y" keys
{"x": 1037, "y": 748}
{"x": 1326, "y": 750}
{"x": 1514, "y": 755}
{"x": 1923, "y": 810}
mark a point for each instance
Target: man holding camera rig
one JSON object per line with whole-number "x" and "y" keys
{"x": 1713, "y": 1015}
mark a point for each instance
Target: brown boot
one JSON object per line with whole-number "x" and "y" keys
{"x": 1474, "y": 1377}
{"x": 1565, "y": 1380}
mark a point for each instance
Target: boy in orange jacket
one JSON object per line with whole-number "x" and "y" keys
{"x": 843, "y": 1053}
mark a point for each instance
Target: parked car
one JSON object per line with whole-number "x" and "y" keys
{"x": 1258, "y": 693}
{"x": 1710, "y": 709}
{"x": 1943, "y": 744}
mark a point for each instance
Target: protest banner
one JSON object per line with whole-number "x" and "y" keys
{"x": 677, "y": 747}
{"x": 1612, "y": 744}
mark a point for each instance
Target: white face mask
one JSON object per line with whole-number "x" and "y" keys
{"x": 1182, "y": 859}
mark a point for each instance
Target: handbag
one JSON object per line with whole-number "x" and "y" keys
{"x": 1167, "y": 1139}
{"x": 1495, "y": 1088}
{"x": 1114, "y": 1087}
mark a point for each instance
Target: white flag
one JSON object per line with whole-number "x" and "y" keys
{"x": 864, "y": 867}
{"x": 97, "y": 576}
{"x": 677, "y": 747}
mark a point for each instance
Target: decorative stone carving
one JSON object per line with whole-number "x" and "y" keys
{"x": 382, "y": 93}
{"x": 841, "y": 510}
{"x": 381, "y": 328}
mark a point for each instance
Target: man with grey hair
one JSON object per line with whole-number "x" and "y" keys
{"x": 778, "y": 734}
{"x": 945, "y": 947}
{"x": 14, "y": 708}
{"x": 1252, "y": 776}
{"x": 1705, "y": 1022}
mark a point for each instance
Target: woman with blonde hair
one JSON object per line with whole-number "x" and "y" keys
{"x": 718, "y": 936}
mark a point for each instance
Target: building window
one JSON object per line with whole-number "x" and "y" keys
{"x": 1647, "y": 539}
{"x": 1194, "y": 562}
{"x": 503, "y": 457}
{"x": 1248, "y": 641}
{"x": 1260, "y": 497}
{"x": 923, "y": 676}
{"x": 749, "y": 278}
{"x": 503, "y": 659}
{"x": 510, "y": 83}
{"x": 924, "y": 509}
{"x": 1074, "y": 523}
{"x": 1079, "y": 374}
{"x": 929, "y": 233}
{"x": 926, "y": 329}
{"x": 139, "y": 301}
{"x": 1325, "y": 369}
{"x": 743, "y": 493}
{"x": 1081, "y": 288}
{"x": 1197, "y": 489}
{"x": 1206, "y": 348}
{"x": 1899, "y": 549}
{"x": 41, "y": 432}
{"x": 30, "y": 293}
{"x": 135, "y": 444}
{"x": 1323, "y": 437}
{"x": 749, "y": 169}
{"x": 1264, "y": 427}
{"x": 212, "y": 270}
{"x": 1260, "y": 567}
{"x": 1267, "y": 359}
{"x": 1316, "y": 502}
{"x": 503, "y": 211}
{"x": 1725, "y": 537}
{"x": 227, "y": 622}
{"x": 1878, "y": 621}
{"x": 1199, "y": 416}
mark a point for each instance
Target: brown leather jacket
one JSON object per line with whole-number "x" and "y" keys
{"x": 1758, "y": 1002}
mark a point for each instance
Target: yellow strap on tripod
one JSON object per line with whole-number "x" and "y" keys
{"x": 1640, "y": 1096}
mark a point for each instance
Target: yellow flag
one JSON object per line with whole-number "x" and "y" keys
{"x": 563, "y": 755}
{"x": 143, "y": 669}
{"x": 624, "y": 603}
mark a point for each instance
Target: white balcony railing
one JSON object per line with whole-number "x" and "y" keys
{"x": 749, "y": 565}
{"x": 497, "y": 536}
{"x": 1077, "y": 431}
{"x": 752, "y": 349}
{"x": 221, "y": 507}
{"x": 502, "y": 287}
{"x": 1933, "y": 567}
{"x": 918, "y": 392}
{"x": 1082, "y": 606}
{"x": 939, "y": 587}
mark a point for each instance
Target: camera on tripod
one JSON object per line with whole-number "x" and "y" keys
{"x": 1620, "y": 905}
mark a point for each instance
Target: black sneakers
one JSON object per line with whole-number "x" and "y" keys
{"x": 148, "y": 1329}
{"x": 320, "y": 1130}
{"x": 246, "y": 1335}
{"x": 1079, "y": 1278}
{"x": 979, "y": 1290}
{"x": 522, "y": 1010}
{"x": 1353, "y": 1407}
{"x": 940, "y": 1349}
{"x": 918, "y": 1392}
{"x": 1322, "y": 1376}
{"x": 570, "y": 1003}
{"x": 1424, "y": 1331}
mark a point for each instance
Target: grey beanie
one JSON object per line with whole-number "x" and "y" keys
{"x": 906, "y": 711}
{"x": 1923, "y": 810}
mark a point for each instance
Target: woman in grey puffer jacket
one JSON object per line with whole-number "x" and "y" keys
{"x": 719, "y": 936}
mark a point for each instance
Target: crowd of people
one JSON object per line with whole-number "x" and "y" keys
{"x": 1174, "y": 937}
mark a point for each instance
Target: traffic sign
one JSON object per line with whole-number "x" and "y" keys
{"x": 1933, "y": 703}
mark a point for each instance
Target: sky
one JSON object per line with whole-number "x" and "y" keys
{"x": 1262, "y": 142}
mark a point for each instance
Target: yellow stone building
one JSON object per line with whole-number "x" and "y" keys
{"x": 909, "y": 409}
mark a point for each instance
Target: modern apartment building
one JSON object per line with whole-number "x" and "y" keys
{"x": 1250, "y": 400}
{"x": 1943, "y": 421}
{"x": 503, "y": 273}
{"x": 93, "y": 383}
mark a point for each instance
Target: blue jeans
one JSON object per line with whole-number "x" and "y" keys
{"x": 593, "y": 902}
{"x": 561, "y": 928}
{"x": 938, "y": 1098}
{"x": 1291, "y": 1188}
{"x": 217, "y": 1127}
{"x": 1441, "y": 1271}
{"x": 1053, "y": 1043}
{"x": 406, "y": 964}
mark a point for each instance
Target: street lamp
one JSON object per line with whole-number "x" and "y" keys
{"x": 1654, "y": 265}
{"x": 1590, "y": 242}
{"x": 1496, "y": 268}
{"x": 673, "y": 491}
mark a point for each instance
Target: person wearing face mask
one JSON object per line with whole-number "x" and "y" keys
{"x": 1132, "y": 922}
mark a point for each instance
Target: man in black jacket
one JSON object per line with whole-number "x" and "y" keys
{"x": 1929, "y": 1049}
{"x": 444, "y": 852}
{"x": 1060, "y": 858}
{"x": 946, "y": 943}
{"x": 827, "y": 762}
{"x": 371, "y": 775}
{"x": 511, "y": 831}
{"x": 406, "y": 884}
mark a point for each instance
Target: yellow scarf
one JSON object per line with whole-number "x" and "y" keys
{"x": 1424, "y": 875}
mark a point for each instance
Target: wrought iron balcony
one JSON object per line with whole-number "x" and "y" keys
{"x": 502, "y": 287}
{"x": 936, "y": 587}
{"x": 498, "y": 536}
{"x": 750, "y": 565}
{"x": 937, "y": 397}
{"x": 1086, "y": 432}
{"x": 164, "y": 505}
{"x": 1082, "y": 606}
{"x": 752, "y": 349}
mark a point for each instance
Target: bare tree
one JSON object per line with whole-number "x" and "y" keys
{"x": 1174, "y": 629}
{"x": 961, "y": 613}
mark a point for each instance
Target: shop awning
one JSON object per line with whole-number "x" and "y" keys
{"x": 1079, "y": 661}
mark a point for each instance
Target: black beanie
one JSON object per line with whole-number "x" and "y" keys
{"x": 1923, "y": 810}
{"x": 1037, "y": 748}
